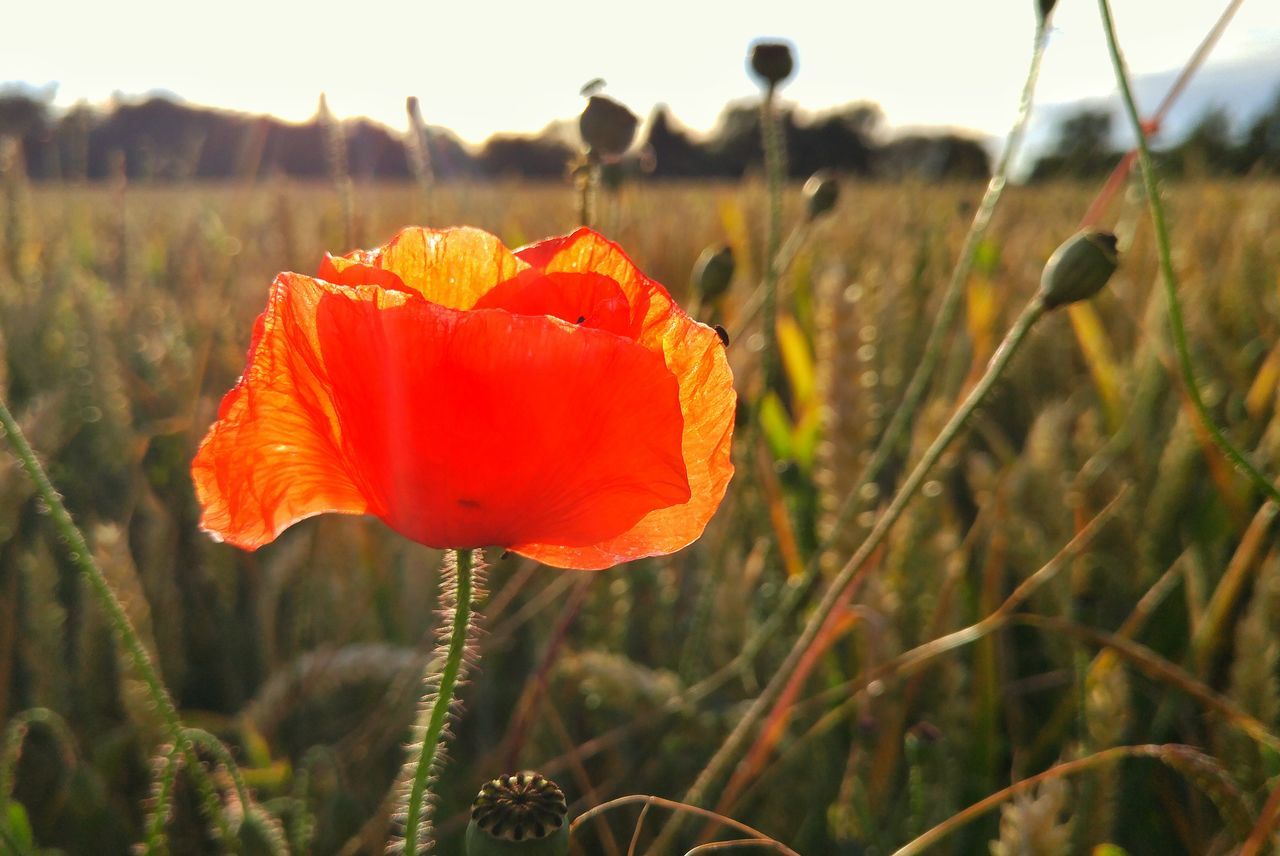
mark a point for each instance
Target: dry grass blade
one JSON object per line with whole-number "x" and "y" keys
{"x": 712, "y": 846}
{"x": 677, "y": 807}
{"x": 1172, "y": 755}
{"x": 1268, "y": 819}
{"x": 1160, "y": 669}
{"x": 910, "y": 662}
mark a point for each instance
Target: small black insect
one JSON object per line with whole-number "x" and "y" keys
{"x": 723, "y": 334}
{"x": 581, "y": 318}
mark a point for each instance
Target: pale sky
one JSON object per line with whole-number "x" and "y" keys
{"x": 479, "y": 68}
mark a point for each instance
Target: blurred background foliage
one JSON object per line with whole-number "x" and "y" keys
{"x": 125, "y": 312}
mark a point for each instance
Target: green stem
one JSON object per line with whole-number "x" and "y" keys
{"x": 436, "y": 704}
{"x": 730, "y": 748}
{"x": 775, "y": 170}
{"x": 904, "y": 415}
{"x": 126, "y": 635}
{"x": 587, "y": 183}
{"x": 1168, "y": 276}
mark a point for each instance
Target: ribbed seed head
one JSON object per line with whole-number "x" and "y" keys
{"x": 714, "y": 271}
{"x": 519, "y": 813}
{"x": 820, "y": 193}
{"x": 607, "y": 127}
{"x": 1079, "y": 268}
{"x": 772, "y": 62}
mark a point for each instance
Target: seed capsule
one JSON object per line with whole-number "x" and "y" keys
{"x": 1079, "y": 268}
{"x": 607, "y": 127}
{"x": 521, "y": 814}
{"x": 713, "y": 272}
{"x": 772, "y": 62}
{"x": 820, "y": 193}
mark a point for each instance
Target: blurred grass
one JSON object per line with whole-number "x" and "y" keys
{"x": 125, "y": 312}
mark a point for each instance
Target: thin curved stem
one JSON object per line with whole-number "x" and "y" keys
{"x": 121, "y": 627}
{"x": 904, "y": 414}
{"x": 720, "y": 762}
{"x": 1168, "y": 276}
{"x": 435, "y": 711}
{"x": 1070, "y": 768}
{"x": 679, "y": 807}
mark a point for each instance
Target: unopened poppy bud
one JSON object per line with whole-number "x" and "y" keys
{"x": 820, "y": 193}
{"x": 1079, "y": 268}
{"x": 606, "y": 126}
{"x": 521, "y": 814}
{"x": 771, "y": 61}
{"x": 713, "y": 271}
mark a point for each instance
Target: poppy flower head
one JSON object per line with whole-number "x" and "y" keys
{"x": 553, "y": 401}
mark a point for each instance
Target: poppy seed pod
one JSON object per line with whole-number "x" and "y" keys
{"x": 607, "y": 127}
{"x": 713, "y": 271}
{"x": 1079, "y": 268}
{"x": 522, "y": 814}
{"x": 772, "y": 62}
{"x": 820, "y": 193}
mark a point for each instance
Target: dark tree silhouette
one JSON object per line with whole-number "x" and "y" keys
{"x": 1082, "y": 149}
{"x": 161, "y": 139}
{"x": 525, "y": 157}
{"x": 1260, "y": 150}
{"x": 1209, "y": 149}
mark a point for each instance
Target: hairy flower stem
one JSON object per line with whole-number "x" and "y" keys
{"x": 904, "y": 414}
{"x": 724, "y": 756}
{"x": 1168, "y": 276}
{"x": 435, "y": 707}
{"x": 121, "y": 627}
{"x": 775, "y": 167}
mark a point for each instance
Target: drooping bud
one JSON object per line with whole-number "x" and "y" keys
{"x": 713, "y": 272}
{"x": 607, "y": 127}
{"x": 772, "y": 62}
{"x": 1079, "y": 268}
{"x": 820, "y": 193}
{"x": 521, "y": 814}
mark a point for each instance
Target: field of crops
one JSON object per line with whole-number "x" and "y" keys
{"x": 970, "y": 653}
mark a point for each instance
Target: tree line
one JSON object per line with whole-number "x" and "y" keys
{"x": 1083, "y": 146}
{"x": 165, "y": 140}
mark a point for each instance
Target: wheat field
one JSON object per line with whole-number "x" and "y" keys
{"x": 125, "y": 313}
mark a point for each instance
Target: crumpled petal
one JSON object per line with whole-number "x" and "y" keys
{"x": 695, "y": 355}
{"x": 269, "y": 460}
{"x": 459, "y": 429}
{"x": 589, "y": 299}
{"x": 451, "y": 267}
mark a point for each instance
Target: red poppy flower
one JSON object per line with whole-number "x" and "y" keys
{"x": 554, "y": 401}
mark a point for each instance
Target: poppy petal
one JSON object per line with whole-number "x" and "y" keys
{"x": 358, "y": 269}
{"x": 486, "y": 427}
{"x": 451, "y": 267}
{"x": 589, "y": 299}
{"x": 695, "y": 355}
{"x": 271, "y": 458}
